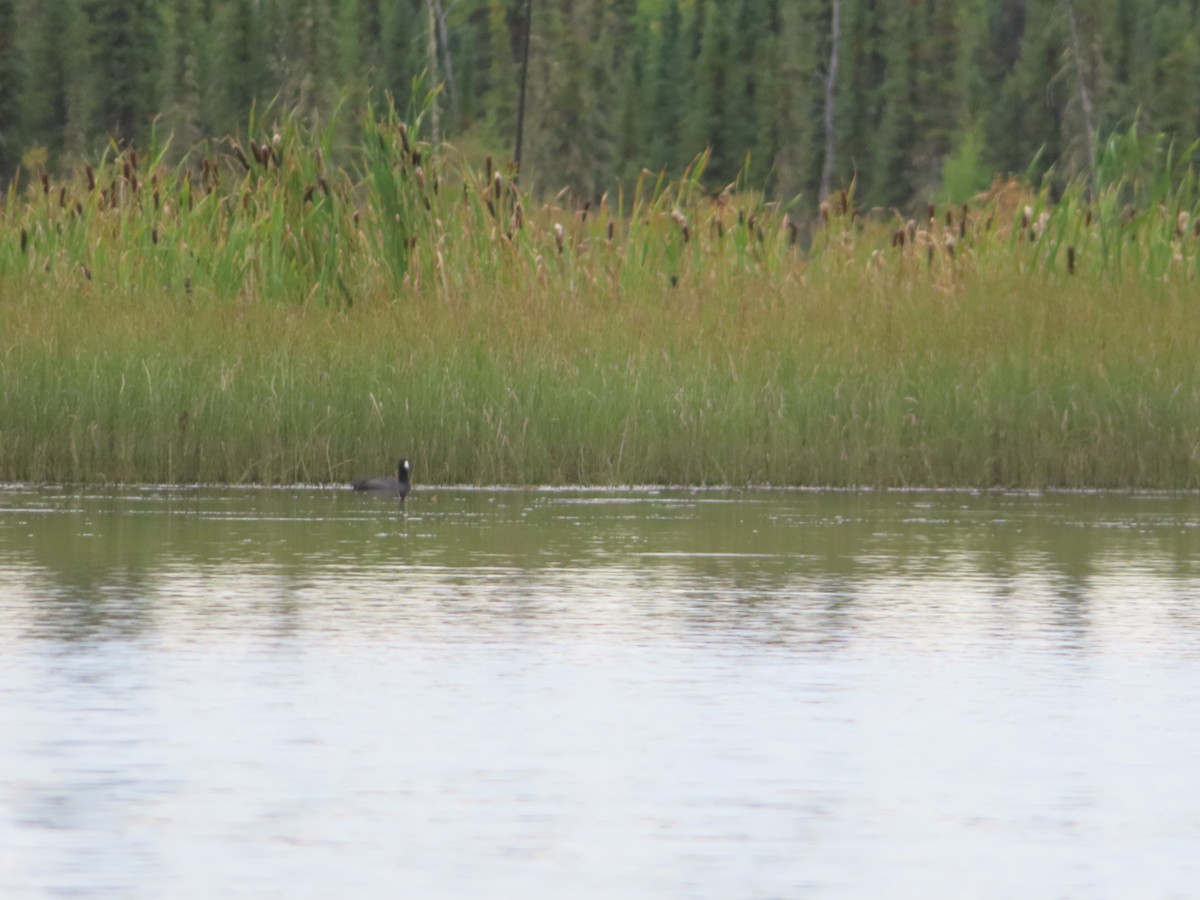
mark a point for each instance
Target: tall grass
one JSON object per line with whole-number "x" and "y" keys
{"x": 259, "y": 313}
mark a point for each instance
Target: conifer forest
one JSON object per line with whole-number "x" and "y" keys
{"x": 910, "y": 102}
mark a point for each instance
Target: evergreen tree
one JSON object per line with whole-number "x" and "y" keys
{"x": 668, "y": 146}
{"x": 182, "y": 102}
{"x": 12, "y": 135}
{"x": 124, "y": 37}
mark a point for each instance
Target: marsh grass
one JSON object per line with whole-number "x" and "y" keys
{"x": 266, "y": 315}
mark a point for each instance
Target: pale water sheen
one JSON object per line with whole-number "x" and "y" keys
{"x": 307, "y": 693}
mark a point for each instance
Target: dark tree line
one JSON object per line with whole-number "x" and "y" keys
{"x": 917, "y": 99}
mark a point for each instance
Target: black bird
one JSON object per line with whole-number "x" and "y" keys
{"x": 397, "y": 485}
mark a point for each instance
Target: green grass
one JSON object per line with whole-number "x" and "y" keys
{"x": 244, "y": 328}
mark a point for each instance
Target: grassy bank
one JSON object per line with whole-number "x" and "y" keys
{"x": 282, "y": 320}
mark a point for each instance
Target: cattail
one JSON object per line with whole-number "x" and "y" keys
{"x": 416, "y": 157}
{"x": 720, "y": 229}
{"x": 897, "y": 238}
{"x": 45, "y": 184}
{"x": 1196, "y": 229}
{"x": 962, "y": 226}
{"x": 1070, "y": 260}
{"x": 950, "y": 248}
{"x": 91, "y": 177}
{"x": 488, "y": 168}
{"x": 404, "y": 136}
{"x": 929, "y": 256}
{"x": 256, "y": 151}
{"x": 584, "y": 213}
{"x": 78, "y": 209}
{"x": 949, "y": 219}
{"x": 241, "y": 156}
{"x": 844, "y": 202}
{"x": 24, "y": 239}
{"x": 681, "y": 220}
{"x": 558, "y": 237}
{"x": 931, "y": 214}
{"x": 611, "y": 231}
{"x": 154, "y": 235}
{"x": 793, "y": 231}
{"x": 62, "y": 198}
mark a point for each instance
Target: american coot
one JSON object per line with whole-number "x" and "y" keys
{"x": 396, "y": 485}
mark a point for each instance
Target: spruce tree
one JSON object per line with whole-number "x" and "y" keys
{"x": 12, "y": 136}
{"x": 124, "y": 38}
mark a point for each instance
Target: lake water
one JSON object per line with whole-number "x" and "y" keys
{"x": 309, "y": 693}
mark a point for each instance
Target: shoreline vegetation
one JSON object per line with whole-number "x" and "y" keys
{"x": 278, "y": 310}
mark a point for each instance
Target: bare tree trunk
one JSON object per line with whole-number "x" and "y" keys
{"x": 835, "y": 38}
{"x": 431, "y": 61}
{"x": 444, "y": 32}
{"x": 1085, "y": 99}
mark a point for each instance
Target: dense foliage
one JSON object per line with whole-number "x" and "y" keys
{"x": 929, "y": 98}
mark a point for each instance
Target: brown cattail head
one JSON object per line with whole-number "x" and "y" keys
{"x": 154, "y": 235}
{"x": 91, "y": 177}
{"x": 949, "y": 219}
{"x": 487, "y": 163}
{"x": 1070, "y": 260}
{"x": 62, "y": 198}
{"x": 24, "y": 239}
{"x": 45, "y": 184}
{"x": 843, "y": 202}
{"x": 404, "y": 136}
{"x": 241, "y": 156}
{"x": 611, "y": 231}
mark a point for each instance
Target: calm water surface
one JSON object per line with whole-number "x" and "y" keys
{"x": 307, "y": 693}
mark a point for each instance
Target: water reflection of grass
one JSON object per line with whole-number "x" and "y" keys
{"x": 286, "y": 321}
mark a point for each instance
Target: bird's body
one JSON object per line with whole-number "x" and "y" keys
{"x": 397, "y": 485}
